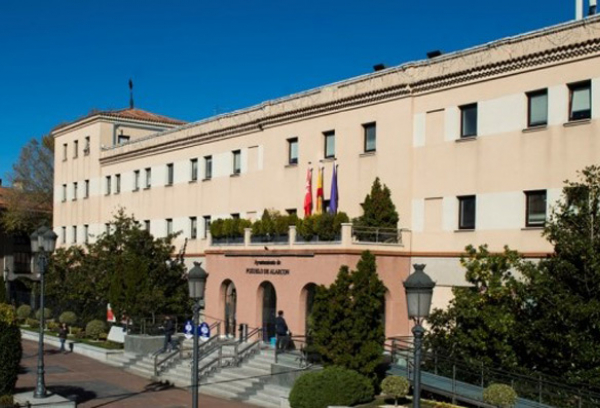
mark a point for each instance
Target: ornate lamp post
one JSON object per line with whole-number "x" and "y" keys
{"x": 197, "y": 284}
{"x": 43, "y": 242}
{"x": 419, "y": 291}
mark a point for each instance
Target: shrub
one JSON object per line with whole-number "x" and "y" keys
{"x": 76, "y": 331}
{"x": 53, "y": 326}
{"x": 395, "y": 387}
{"x": 94, "y": 329}
{"x": 23, "y": 312}
{"x": 103, "y": 336}
{"x": 32, "y": 323}
{"x": 7, "y": 401}
{"x": 331, "y": 386}
{"x": 7, "y": 314}
{"x": 10, "y": 356}
{"x": 500, "y": 395}
{"x": 69, "y": 318}
{"x": 47, "y": 314}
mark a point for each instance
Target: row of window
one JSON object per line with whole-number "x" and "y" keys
{"x": 86, "y": 148}
{"x": 535, "y": 210}
{"x": 580, "y": 108}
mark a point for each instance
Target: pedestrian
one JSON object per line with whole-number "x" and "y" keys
{"x": 63, "y": 331}
{"x": 281, "y": 331}
{"x": 169, "y": 328}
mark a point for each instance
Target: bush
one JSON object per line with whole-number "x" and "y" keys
{"x": 69, "y": 318}
{"x": 331, "y": 386}
{"x": 500, "y": 395}
{"x": 47, "y": 314}
{"x": 395, "y": 387}
{"x": 94, "y": 329}
{"x": 76, "y": 331}
{"x": 32, "y": 323}
{"x": 10, "y": 357}
{"x": 7, "y": 401}
{"x": 23, "y": 312}
{"x": 103, "y": 336}
{"x": 7, "y": 314}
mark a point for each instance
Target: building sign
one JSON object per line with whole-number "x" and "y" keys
{"x": 267, "y": 267}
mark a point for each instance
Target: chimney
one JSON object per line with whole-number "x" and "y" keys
{"x": 379, "y": 67}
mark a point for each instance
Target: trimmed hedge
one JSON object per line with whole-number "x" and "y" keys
{"x": 7, "y": 313}
{"x": 47, "y": 314}
{"x": 23, "y": 312}
{"x": 10, "y": 357}
{"x": 70, "y": 318}
{"x": 32, "y": 323}
{"x": 331, "y": 386}
{"x": 395, "y": 387}
{"x": 500, "y": 395}
{"x": 94, "y": 329}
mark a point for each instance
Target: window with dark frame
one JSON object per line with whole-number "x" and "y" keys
{"x": 466, "y": 212}
{"x": 580, "y": 100}
{"x": 194, "y": 170}
{"x": 291, "y": 211}
{"x": 169, "y": 226}
{"x": 86, "y": 147}
{"x": 136, "y": 180}
{"x": 170, "y": 174}
{"x": 86, "y": 233}
{"x": 74, "y": 191}
{"x": 86, "y": 189}
{"x": 535, "y": 209}
{"x": 122, "y": 139}
{"x": 329, "y": 139}
{"x": 537, "y": 108}
{"x": 75, "y": 149}
{"x": 63, "y": 235}
{"x": 193, "y": 227}
{"x": 64, "y": 192}
{"x": 235, "y": 216}
{"x": 207, "y": 167}
{"x": 370, "y": 134}
{"x": 107, "y": 188}
{"x": 293, "y": 150}
{"x": 206, "y": 226}
{"x": 147, "y": 225}
{"x": 468, "y": 120}
{"x": 117, "y": 184}
{"x": 74, "y": 239}
{"x": 64, "y": 151}
{"x": 237, "y": 161}
{"x": 148, "y": 178}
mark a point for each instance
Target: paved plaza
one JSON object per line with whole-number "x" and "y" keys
{"x": 93, "y": 384}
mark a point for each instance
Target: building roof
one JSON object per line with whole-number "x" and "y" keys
{"x": 128, "y": 113}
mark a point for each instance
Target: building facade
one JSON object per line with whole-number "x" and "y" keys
{"x": 474, "y": 145}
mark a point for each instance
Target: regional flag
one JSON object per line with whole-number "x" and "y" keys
{"x": 308, "y": 194}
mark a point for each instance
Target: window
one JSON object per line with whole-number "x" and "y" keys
{"x": 75, "y": 149}
{"x": 206, "y": 225}
{"x": 63, "y": 235}
{"x": 74, "y": 234}
{"x": 193, "y": 227}
{"x": 237, "y": 161}
{"x": 170, "y": 174}
{"x": 148, "y": 178}
{"x": 74, "y": 191}
{"x": 537, "y": 108}
{"x": 468, "y": 120}
{"x": 122, "y": 139}
{"x": 293, "y": 151}
{"x": 291, "y": 211}
{"x": 107, "y": 191}
{"x": 235, "y": 216}
{"x": 329, "y": 144}
{"x": 370, "y": 130}
{"x": 107, "y": 228}
{"x": 64, "y": 192}
{"x": 535, "y": 212}
{"x": 86, "y": 147}
{"x": 117, "y": 183}
{"x": 86, "y": 189}
{"x": 64, "y": 151}
{"x": 580, "y": 102}
{"x": 136, "y": 180}
{"x": 86, "y": 233}
{"x": 147, "y": 225}
{"x": 466, "y": 212}
{"x": 169, "y": 226}
{"x": 194, "y": 170}
{"x": 207, "y": 167}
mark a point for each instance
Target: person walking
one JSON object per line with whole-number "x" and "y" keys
{"x": 63, "y": 332}
{"x": 281, "y": 331}
{"x": 169, "y": 328}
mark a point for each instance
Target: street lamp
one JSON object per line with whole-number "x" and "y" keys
{"x": 197, "y": 284}
{"x": 6, "y": 273}
{"x": 43, "y": 241}
{"x": 419, "y": 291}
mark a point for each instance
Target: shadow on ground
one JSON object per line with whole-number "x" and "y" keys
{"x": 69, "y": 392}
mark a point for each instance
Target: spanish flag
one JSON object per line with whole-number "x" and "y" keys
{"x": 319, "y": 208}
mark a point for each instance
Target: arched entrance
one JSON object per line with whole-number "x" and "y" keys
{"x": 309, "y": 301}
{"x": 230, "y": 309}
{"x": 269, "y": 309}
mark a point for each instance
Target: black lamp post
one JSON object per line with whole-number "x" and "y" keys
{"x": 43, "y": 241}
{"x": 419, "y": 291}
{"x": 197, "y": 283}
{"x": 6, "y": 283}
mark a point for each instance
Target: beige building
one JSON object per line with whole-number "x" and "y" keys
{"x": 474, "y": 145}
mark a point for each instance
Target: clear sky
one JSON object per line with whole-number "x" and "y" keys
{"x": 190, "y": 59}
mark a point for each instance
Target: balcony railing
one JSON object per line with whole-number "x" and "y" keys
{"x": 373, "y": 235}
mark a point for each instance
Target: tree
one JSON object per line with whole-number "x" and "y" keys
{"x": 378, "y": 208}
{"x": 29, "y": 202}
{"x": 350, "y": 332}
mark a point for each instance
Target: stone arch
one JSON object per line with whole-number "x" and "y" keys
{"x": 228, "y": 306}
{"x": 267, "y": 304}
{"x": 307, "y": 297}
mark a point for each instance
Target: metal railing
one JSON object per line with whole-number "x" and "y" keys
{"x": 392, "y": 236}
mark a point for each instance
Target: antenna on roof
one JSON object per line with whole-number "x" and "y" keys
{"x": 130, "y": 94}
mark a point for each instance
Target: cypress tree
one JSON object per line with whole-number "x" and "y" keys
{"x": 378, "y": 208}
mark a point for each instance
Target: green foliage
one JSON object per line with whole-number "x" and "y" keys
{"x": 128, "y": 268}
{"x": 53, "y": 326}
{"x": 70, "y": 318}
{"x": 47, "y": 314}
{"x": 378, "y": 208}
{"x": 325, "y": 226}
{"x": 23, "y": 312}
{"x": 272, "y": 224}
{"x": 32, "y": 323}
{"x": 2, "y": 292}
{"x": 10, "y": 356}
{"x": 7, "y": 314}
{"x": 500, "y": 395}
{"x": 350, "y": 332}
{"x": 7, "y": 401}
{"x": 229, "y": 228}
{"x": 330, "y": 386}
{"x": 395, "y": 387}
{"x": 76, "y": 331}
{"x": 94, "y": 329}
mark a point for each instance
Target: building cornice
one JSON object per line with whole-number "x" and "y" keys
{"x": 108, "y": 119}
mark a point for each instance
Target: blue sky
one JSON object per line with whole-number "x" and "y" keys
{"x": 192, "y": 59}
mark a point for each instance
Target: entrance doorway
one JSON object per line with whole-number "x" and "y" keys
{"x": 230, "y": 309}
{"x": 269, "y": 309}
{"x": 310, "y": 290}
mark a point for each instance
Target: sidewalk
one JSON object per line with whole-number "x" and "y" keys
{"x": 93, "y": 384}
